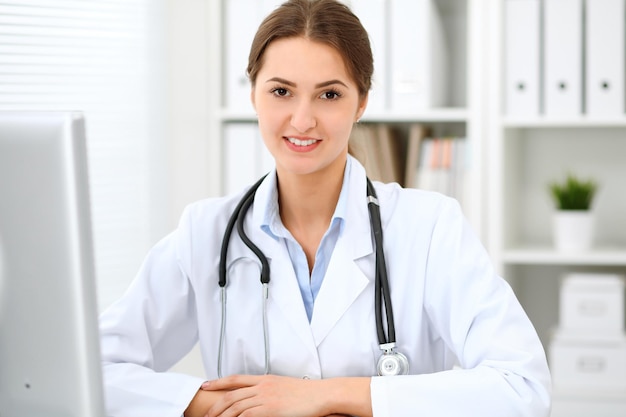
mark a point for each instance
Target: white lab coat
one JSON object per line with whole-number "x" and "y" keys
{"x": 449, "y": 306}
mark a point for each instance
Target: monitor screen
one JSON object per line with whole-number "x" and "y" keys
{"x": 49, "y": 343}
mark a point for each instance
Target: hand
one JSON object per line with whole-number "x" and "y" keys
{"x": 267, "y": 395}
{"x": 201, "y": 402}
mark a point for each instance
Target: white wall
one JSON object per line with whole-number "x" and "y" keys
{"x": 194, "y": 152}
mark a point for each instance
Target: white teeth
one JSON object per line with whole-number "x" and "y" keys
{"x": 299, "y": 142}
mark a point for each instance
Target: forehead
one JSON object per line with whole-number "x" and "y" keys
{"x": 303, "y": 59}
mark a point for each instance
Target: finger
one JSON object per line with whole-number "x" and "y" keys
{"x": 230, "y": 383}
{"x": 233, "y": 403}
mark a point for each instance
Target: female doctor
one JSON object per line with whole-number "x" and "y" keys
{"x": 326, "y": 333}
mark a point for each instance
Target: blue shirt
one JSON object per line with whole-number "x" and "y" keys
{"x": 272, "y": 225}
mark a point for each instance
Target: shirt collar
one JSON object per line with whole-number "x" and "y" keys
{"x": 271, "y": 223}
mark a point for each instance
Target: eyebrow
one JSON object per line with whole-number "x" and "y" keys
{"x": 319, "y": 85}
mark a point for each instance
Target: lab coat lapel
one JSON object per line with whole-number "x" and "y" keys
{"x": 285, "y": 302}
{"x": 284, "y": 292}
{"x": 344, "y": 280}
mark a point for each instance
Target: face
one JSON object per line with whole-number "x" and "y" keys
{"x": 306, "y": 104}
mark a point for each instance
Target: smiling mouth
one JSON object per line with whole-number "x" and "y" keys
{"x": 298, "y": 142}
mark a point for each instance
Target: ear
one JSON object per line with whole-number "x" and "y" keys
{"x": 361, "y": 109}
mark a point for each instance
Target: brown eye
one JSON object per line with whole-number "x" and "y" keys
{"x": 282, "y": 92}
{"x": 330, "y": 95}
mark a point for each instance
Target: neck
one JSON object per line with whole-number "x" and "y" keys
{"x": 309, "y": 201}
{"x": 307, "y": 204}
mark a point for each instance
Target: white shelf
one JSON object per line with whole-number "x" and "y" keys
{"x": 448, "y": 115}
{"x": 581, "y": 394}
{"x": 443, "y": 115}
{"x": 229, "y": 116}
{"x": 551, "y": 122}
{"x": 610, "y": 256}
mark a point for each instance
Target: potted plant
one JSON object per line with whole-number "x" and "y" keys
{"x": 573, "y": 218}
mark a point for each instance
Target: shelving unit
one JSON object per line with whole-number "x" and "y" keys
{"x": 513, "y": 159}
{"x": 461, "y": 115}
{"x": 525, "y": 154}
{"x": 532, "y": 154}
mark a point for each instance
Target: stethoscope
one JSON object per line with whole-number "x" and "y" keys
{"x": 390, "y": 362}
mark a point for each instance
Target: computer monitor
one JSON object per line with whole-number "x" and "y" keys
{"x": 49, "y": 343}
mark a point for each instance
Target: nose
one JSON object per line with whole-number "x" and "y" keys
{"x": 303, "y": 117}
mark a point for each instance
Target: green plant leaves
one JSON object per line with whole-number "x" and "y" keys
{"x": 573, "y": 193}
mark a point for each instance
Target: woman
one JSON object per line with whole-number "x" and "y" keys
{"x": 310, "y": 66}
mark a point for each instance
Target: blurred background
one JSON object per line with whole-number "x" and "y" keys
{"x": 489, "y": 101}
{"x": 139, "y": 71}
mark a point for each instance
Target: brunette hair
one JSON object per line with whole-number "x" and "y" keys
{"x": 326, "y": 21}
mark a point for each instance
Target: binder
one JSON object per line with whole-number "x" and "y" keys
{"x": 443, "y": 166}
{"x": 372, "y": 14}
{"x": 446, "y": 167}
{"x": 241, "y": 22}
{"x": 364, "y": 147}
{"x": 390, "y": 158}
{"x": 429, "y": 163}
{"x": 378, "y": 148}
{"x": 242, "y": 19}
{"x": 604, "y": 61}
{"x": 458, "y": 174}
{"x": 417, "y": 132}
{"x": 265, "y": 162}
{"x": 521, "y": 57}
{"x": 246, "y": 158}
{"x": 563, "y": 63}
{"x": 418, "y": 55}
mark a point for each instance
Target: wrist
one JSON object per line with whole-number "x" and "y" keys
{"x": 201, "y": 402}
{"x": 350, "y": 396}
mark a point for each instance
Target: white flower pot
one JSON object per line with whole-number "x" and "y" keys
{"x": 573, "y": 230}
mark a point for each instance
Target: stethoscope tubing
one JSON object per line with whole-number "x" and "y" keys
{"x": 230, "y": 226}
{"x": 236, "y": 219}
{"x": 382, "y": 293}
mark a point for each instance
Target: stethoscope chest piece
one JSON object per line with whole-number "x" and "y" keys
{"x": 392, "y": 363}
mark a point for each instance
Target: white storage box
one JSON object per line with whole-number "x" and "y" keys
{"x": 598, "y": 365}
{"x": 593, "y": 303}
{"x": 575, "y": 406}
